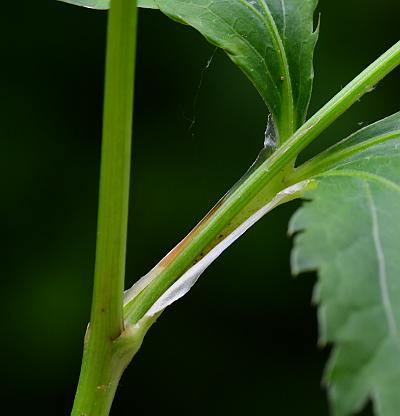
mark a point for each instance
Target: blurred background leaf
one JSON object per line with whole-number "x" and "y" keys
{"x": 238, "y": 346}
{"x": 105, "y": 4}
{"x": 92, "y": 4}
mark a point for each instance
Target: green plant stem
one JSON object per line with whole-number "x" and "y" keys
{"x": 255, "y": 183}
{"x": 102, "y": 363}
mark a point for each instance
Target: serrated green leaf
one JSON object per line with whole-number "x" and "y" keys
{"x": 350, "y": 234}
{"x": 105, "y": 4}
{"x": 271, "y": 41}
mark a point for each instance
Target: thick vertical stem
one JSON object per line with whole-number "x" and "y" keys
{"x": 103, "y": 362}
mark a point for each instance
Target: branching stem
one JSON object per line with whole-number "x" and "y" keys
{"x": 267, "y": 174}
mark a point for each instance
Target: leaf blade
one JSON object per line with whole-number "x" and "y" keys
{"x": 294, "y": 21}
{"x": 349, "y": 232}
{"x": 248, "y": 32}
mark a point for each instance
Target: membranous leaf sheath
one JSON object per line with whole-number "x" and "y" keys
{"x": 350, "y": 234}
{"x": 271, "y": 41}
{"x": 186, "y": 281}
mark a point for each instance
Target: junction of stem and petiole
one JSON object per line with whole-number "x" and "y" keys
{"x": 257, "y": 188}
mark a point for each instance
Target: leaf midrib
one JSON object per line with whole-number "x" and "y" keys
{"x": 380, "y": 256}
{"x": 368, "y": 177}
{"x": 326, "y": 161}
{"x": 286, "y": 121}
{"x": 359, "y": 147}
{"x": 284, "y": 65}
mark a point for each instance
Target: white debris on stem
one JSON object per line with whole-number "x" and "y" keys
{"x": 270, "y": 134}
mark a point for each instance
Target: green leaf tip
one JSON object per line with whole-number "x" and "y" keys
{"x": 350, "y": 233}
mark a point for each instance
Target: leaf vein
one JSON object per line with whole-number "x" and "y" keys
{"x": 380, "y": 255}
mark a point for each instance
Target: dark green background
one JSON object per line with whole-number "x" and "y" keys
{"x": 244, "y": 341}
